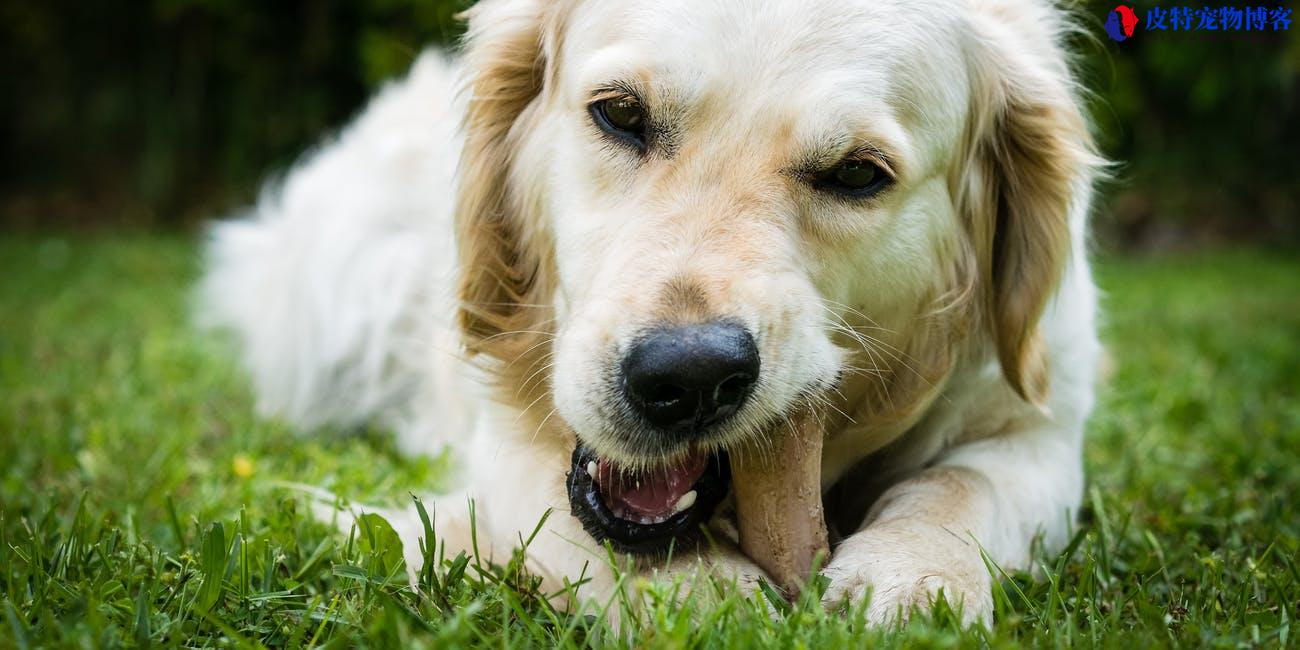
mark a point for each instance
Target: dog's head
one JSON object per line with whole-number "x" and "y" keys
{"x": 680, "y": 221}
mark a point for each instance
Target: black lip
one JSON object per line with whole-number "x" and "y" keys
{"x": 624, "y": 536}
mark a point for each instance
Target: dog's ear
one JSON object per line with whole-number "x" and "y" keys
{"x": 1029, "y": 169}
{"x": 502, "y": 261}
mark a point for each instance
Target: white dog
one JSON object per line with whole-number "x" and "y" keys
{"x": 679, "y": 265}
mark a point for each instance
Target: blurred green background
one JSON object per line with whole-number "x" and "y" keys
{"x": 161, "y": 113}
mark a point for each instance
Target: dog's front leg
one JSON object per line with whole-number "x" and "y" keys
{"x": 513, "y": 489}
{"x": 926, "y": 532}
{"x": 520, "y": 496}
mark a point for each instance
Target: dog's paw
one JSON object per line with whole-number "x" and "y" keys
{"x": 900, "y": 573}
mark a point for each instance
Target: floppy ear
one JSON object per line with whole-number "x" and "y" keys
{"x": 503, "y": 266}
{"x": 1027, "y": 180}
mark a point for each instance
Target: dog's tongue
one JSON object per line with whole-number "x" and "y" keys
{"x": 779, "y": 502}
{"x": 650, "y": 493}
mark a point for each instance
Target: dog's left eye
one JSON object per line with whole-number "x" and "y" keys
{"x": 853, "y": 178}
{"x": 621, "y": 117}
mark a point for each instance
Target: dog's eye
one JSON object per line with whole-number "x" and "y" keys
{"x": 854, "y": 178}
{"x": 621, "y": 117}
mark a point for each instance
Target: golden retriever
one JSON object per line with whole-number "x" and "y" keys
{"x": 809, "y": 276}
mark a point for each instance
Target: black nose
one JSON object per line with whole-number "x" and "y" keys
{"x": 687, "y": 378}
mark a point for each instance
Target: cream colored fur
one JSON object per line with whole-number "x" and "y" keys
{"x": 945, "y": 329}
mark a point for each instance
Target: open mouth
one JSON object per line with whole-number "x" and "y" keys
{"x": 645, "y": 511}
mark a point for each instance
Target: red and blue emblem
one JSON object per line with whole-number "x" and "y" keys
{"x": 1121, "y": 23}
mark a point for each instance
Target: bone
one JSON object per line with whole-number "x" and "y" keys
{"x": 779, "y": 502}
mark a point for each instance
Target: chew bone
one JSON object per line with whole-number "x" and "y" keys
{"x": 779, "y": 501}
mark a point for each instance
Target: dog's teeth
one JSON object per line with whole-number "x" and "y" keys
{"x": 685, "y": 502}
{"x": 591, "y": 469}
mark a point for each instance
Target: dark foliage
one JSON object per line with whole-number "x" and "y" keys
{"x": 1205, "y": 126}
{"x": 162, "y": 112}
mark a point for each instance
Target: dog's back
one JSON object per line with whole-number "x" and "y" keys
{"x": 331, "y": 282}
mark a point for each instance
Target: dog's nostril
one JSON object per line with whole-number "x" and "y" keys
{"x": 664, "y": 393}
{"x": 732, "y": 391}
{"x": 686, "y": 378}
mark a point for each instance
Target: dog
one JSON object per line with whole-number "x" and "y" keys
{"x": 755, "y": 286}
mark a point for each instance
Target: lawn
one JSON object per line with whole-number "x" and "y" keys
{"x": 142, "y": 503}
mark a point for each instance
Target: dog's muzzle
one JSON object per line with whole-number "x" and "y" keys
{"x": 646, "y": 511}
{"x": 681, "y": 383}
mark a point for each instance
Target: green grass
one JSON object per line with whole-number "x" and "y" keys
{"x": 142, "y": 503}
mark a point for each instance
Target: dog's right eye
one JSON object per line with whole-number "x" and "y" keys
{"x": 853, "y": 178}
{"x": 623, "y": 118}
